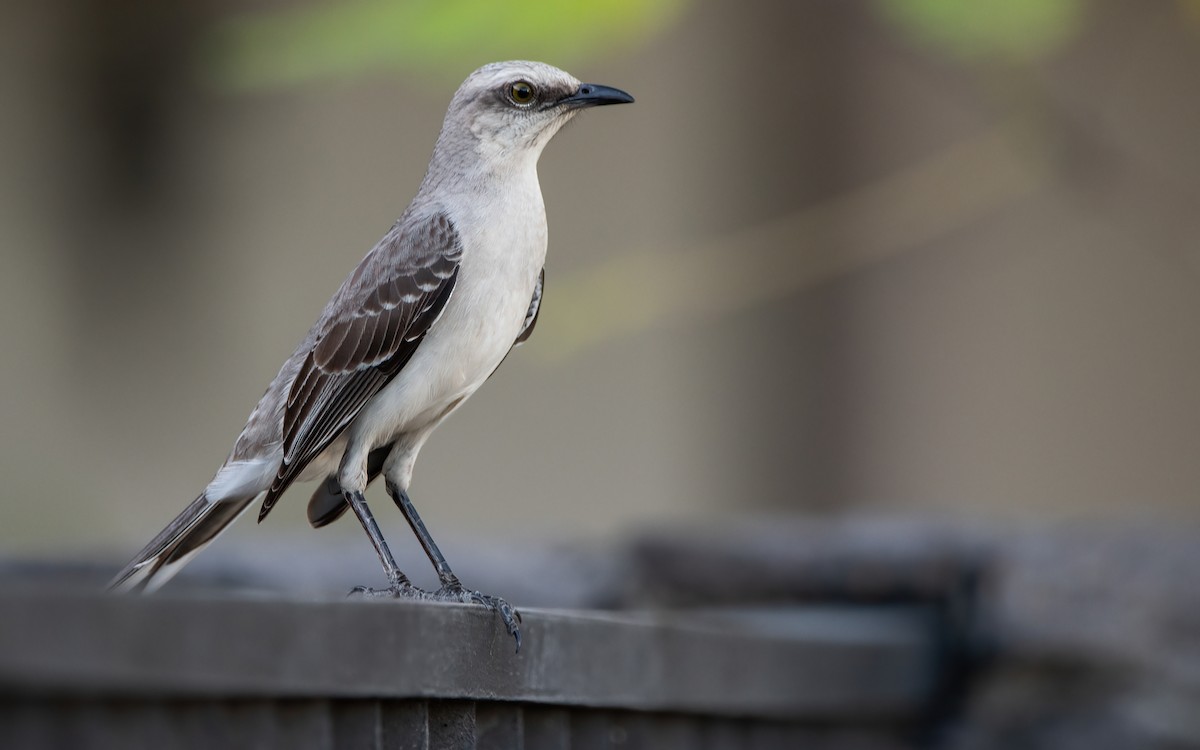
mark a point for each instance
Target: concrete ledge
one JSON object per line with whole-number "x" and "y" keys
{"x": 794, "y": 663}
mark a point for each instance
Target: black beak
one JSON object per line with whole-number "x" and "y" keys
{"x": 594, "y": 95}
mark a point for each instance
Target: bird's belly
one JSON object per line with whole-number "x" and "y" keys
{"x": 477, "y": 328}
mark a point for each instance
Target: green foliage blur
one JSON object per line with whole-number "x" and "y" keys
{"x": 1001, "y": 30}
{"x": 436, "y": 39}
{"x": 430, "y": 37}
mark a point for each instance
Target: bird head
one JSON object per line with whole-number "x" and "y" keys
{"x": 508, "y": 110}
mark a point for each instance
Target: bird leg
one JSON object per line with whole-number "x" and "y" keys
{"x": 445, "y": 575}
{"x": 451, "y": 588}
{"x": 400, "y": 585}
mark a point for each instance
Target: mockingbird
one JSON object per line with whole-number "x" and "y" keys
{"x": 421, "y": 322}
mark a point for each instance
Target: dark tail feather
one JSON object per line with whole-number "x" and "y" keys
{"x": 327, "y": 503}
{"x": 191, "y": 531}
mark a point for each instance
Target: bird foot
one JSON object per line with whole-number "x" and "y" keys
{"x": 508, "y": 614}
{"x": 403, "y": 590}
{"x": 454, "y": 593}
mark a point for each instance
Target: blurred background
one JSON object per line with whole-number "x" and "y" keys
{"x": 894, "y": 265}
{"x": 889, "y": 255}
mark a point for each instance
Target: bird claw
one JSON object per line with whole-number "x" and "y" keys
{"x": 397, "y": 591}
{"x": 509, "y": 615}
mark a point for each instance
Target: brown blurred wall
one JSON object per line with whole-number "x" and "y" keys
{"x": 894, "y": 280}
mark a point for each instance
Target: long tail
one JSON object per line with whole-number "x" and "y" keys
{"x": 191, "y": 531}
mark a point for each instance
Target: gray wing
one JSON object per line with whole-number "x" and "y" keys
{"x": 368, "y": 333}
{"x": 535, "y": 306}
{"x": 327, "y": 504}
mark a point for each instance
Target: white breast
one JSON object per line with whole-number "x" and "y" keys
{"x": 504, "y": 249}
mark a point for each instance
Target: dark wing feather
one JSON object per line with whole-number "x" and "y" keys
{"x": 531, "y": 317}
{"x": 368, "y": 333}
{"x": 535, "y": 307}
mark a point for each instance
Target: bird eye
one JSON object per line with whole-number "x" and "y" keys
{"x": 521, "y": 93}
